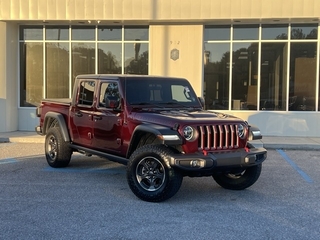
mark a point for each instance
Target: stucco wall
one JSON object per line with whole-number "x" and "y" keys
{"x": 187, "y": 40}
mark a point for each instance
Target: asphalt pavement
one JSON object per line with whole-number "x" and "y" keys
{"x": 269, "y": 142}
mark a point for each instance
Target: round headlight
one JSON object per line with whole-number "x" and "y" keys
{"x": 188, "y": 133}
{"x": 241, "y": 131}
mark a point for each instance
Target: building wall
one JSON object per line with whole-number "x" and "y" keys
{"x": 8, "y": 77}
{"x": 168, "y": 10}
{"x": 187, "y": 39}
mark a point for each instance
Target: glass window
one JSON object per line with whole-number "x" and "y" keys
{"x": 109, "y": 92}
{"x": 109, "y": 58}
{"x": 274, "y": 32}
{"x": 31, "y": 33}
{"x": 82, "y": 33}
{"x": 304, "y": 31}
{"x": 57, "y": 70}
{"x": 217, "y": 33}
{"x": 136, "y": 33}
{"x": 83, "y": 59}
{"x": 302, "y": 76}
{"x": 109, "y": 33}
{"x": 57, "y": 33}
{"x": 216, "y": 75}
{"x": 136, "y": 58}
{"x": 273, "y": 77}
{"x": 31, "y": 74}
{"x": 246, "y": 32}
{"x": 244, "y": 76}
{"x": 86, "y": 93}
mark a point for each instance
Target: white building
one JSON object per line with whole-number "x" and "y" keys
{"x": 271, "y": 78}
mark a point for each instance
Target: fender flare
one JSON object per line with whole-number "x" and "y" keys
{"x": 62, "y": 124}
{"x": 166, "y": 135}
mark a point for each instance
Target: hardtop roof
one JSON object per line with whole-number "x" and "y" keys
{"x": 122, "y": 77}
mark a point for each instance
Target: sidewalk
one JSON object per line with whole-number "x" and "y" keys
{"x": 269, "y": 142}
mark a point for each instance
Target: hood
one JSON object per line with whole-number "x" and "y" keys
{"x": 184, "y": 117}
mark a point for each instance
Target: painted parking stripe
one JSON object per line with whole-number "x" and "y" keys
{"x": 295, "y": 167}
{"x": 8, "y": 160}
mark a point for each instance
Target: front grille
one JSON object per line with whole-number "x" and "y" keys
{"x": 218, "y": 137}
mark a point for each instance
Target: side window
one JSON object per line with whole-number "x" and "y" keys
{"x": 109, "y": 95}
{"x": 86, "y": 93}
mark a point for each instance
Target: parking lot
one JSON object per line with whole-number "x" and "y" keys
{"x": 91, "y": 199}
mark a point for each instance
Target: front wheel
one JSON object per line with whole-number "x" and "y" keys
{"x": 150, "y": 176}
{"x": 239, "y": 180}
{"x": 58, "y": 153}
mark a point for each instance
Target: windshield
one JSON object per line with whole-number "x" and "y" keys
{"x": 161, "y": 92}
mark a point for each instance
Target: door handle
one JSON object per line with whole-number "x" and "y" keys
{"x": 97, "y": 118}
{"x": 78, "y": 114}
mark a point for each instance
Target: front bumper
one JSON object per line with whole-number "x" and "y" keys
{"x": 38, "y": 130}
{"x": 210, "y": 161}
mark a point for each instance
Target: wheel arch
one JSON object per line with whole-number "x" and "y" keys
{"x": 53, "y": 119}
{"x": 162, "y": 133}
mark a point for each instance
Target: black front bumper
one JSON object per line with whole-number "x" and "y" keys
{"x": 38, "y": 130}
{"x": 228, "y": 159}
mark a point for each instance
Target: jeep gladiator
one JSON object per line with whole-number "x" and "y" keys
{"x": 154, "y": 125}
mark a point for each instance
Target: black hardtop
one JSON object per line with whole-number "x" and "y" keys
{"x": 123, "y": 77}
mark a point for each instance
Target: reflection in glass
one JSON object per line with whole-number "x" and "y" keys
{"x": 109, "y": 58}
{"x": 57, "y": 33}
{"x": 136, "y": 58}
{"x": 273, "y": 76}
{"x": 217, "y": 33}
{"x": 244, "y": 76}
{"x": 136, "y": 33}
{"x": 82, "y": 33}
{"x": 246, "y": 32}
{"x": 216, "y": 75}
{"x": 31, "y": 74}
{"x": 31, "y": 33}
{"x": 274, "y": 32}
{"x": 302, "y": 88}
{"x": 109, "y": 33}
{"x": 57, "y": 70}
{"x": 83, "y": 59}
{"x": 304, "y": 31}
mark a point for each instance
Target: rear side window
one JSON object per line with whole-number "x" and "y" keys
{"x": 86, "y": 93}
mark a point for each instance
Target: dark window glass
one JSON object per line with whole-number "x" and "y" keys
{"x": 109, "y": 33}
{"x": 273, "y": 76}
{"x": 246, "y": 32}
{"x": 244, "y": 76}
{"x": 83, "y": 33}
{"x": 86, "y": 93}
{"x": 136, "y": 58}
{"x": 216, "y": 75}
{"x": 83, "y": 59}
{"x": 31, "y": 33}
{"x": 304, "y": 31}
{"x": 303, "y": 65}
{"x": 57, "y": 70}
{"x": 274, "y": 32}
{"x": 109, "y": 58}
{"x": 31, "y": 74}
{"x": 217, "y": 33}
{"x": 57, "y": 33}
{"x": 136, "y": 33}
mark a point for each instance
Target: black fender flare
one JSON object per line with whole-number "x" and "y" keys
{"x": 62, "y": 124}
{"x": 254, "y": 133}
{"x": 166, "y": 135}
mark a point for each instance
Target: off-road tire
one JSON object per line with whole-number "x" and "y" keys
{"x": 150, "y": 176}
{"x": 57, "y": 151}
{"x": 239, "y": 180}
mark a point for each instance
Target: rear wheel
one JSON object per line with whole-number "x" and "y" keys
{"x": 58, "y": 153}
{"x": 150, "y": 176}
{"x": 240, "y": 179}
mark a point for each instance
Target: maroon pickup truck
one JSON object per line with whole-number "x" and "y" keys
{"x": 157, "y": 127}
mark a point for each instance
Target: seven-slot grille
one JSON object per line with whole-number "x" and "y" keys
{"x": 218, "y": 137}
